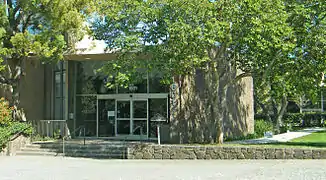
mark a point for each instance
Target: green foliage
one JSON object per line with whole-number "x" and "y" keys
{"x": 5, "y": 113}
{"x": 8, "y": 127}
{"x": 181, "y": 35}
{"x": 241, "y": 138}
{"x": 7, "y": 131}
{"x": 306, "y": 119}
{"x": 262, "y": 126}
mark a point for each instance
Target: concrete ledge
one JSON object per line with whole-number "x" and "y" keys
{"x": 220, "y": 152}
{"x": 15, "y": 145}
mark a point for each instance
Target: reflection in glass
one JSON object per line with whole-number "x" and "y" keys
{"x": 155, "y": 86}
{"x": 140, "y": 109}
{"x": 140, "y": 127}
{"x": 86, "y": 114}
{"x": 89, "y": 80}
{"x": 123, "y": 109}
{"x": 157, "y": 107}
{"x": 106, "y": 122}
{"x": 123, "y": 127}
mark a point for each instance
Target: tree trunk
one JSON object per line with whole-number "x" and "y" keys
{"x": 282, "y": 110}
{"x": 224, "y": 72}
{"x": 13, "y": 75}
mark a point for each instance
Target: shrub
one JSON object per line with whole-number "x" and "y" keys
{"x": 7, "y": 131}
{"x": 8, "y": 127}
{"x": 262, "y": 126}
{"x": 5, "y": 112}
{"x": 306, "y": 119}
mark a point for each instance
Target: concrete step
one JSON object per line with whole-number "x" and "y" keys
{"x": 33, "y": 149}
{"x": 102, "y": 151}
{"x": 37, "y": 153}
{"x": 73, "y": 154}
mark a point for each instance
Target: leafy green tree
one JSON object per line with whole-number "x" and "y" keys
{"x": 183, "y": 35}
{"x": 36, "y": 28}
{"x": 300, "y": 74}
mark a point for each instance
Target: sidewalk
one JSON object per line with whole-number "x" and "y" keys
{"x": 280, "y": 137}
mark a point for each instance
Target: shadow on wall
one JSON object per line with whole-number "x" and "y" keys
{"x": 195, "y": 119}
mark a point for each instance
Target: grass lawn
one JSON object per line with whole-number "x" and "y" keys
{"x": 314, "y": 140}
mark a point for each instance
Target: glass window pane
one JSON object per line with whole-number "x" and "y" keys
{"x": 63, "y": 108}
{"x": 106, "y": 121}
{"x": 89, "y": 80}
{"x": 140, "y": 109}
{"x": 123, "y": 109}
{"x": 157, "y": 108}
{"x": 86, "y": 114}
{"x": 140, "y": 127}
{"x": 63, "y": 84}
{"x": 58, "y": 66}
{"x": 123, "y": 127}
{"x": 155, "y": 86}
{"x": 58, "y": 108}
{"x": 58, "y": 84}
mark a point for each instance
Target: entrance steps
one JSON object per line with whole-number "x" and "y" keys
{"x": 76, "y": 148}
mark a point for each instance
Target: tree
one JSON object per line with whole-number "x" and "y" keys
{"x": 36, "y": 28}
{"x": 184, "y": 35}
{"x": 302, "y": 75}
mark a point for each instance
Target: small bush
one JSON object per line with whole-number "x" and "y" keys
{"x": 240, "y": 138}
{"x": 5, "y": 112}
{"x": 8, "y": 127}
{"x": 262, "y": 126}
{"x": 306, "y": 119}
{"x": 7, "y": 131}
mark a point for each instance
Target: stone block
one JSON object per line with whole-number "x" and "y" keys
{"x": 289, "y": 153}
{"x": 280, "y": 154}
{"x": 138, "y": 155}
{"x": 166, "y": 156}
{"x": 158, "y": 156}
{"x": 212, "y": 153}
{"x": 148, "y": 155}
{"x": 269, "y": 153}
{"x": 207, "y": 157}
{"x": 240, "y": 155}
{"x": 316, "y": 154}
{"x": 307, "y": 154}
{"x": 298, "y": 154}
{"x": 323, "y": 154}
{"x": 200, "y": 153}
{"x": 259, "y": 154}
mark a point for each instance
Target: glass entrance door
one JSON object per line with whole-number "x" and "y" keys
{"x": 139, "y": 117}
{"x": 132, "y": 116}
{"x": 123, "y": 122}
{"x": 106, "y": 117}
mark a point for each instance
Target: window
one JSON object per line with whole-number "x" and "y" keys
{"x": 59, "y": 91}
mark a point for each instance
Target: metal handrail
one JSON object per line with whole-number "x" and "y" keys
{"x": 66, "y": 136}
{"x": 79, "y": 128}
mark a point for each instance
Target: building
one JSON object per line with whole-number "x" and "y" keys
{"x": 71, "y": 97}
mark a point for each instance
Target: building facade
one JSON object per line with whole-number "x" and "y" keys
{"x": 71, "y": 97}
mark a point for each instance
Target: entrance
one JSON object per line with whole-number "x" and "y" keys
{"x": 131, "y": 117}
{"x": 123, "y": 116}
{"x": 128, "y": 116}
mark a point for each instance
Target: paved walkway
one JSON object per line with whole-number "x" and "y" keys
{"x": 285, "y": 137}
{"x": 58, "y": 168}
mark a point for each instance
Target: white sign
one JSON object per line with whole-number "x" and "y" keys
{"x": 111, "y": 113}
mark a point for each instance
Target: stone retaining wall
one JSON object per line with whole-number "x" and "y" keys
{"x": 15, "y": 145}
{"x": 221, "y": 152}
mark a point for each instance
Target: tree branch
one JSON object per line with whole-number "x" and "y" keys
{"x": 26, "y": 23}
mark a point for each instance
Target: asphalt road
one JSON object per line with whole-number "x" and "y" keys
{"x": 59, "y": 168}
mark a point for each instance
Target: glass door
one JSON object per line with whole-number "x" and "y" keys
{"x": 106, "y": 117}
{"x": 132, "y": 116}
{"x": 123, "y": 121}
{"x": 139, "y": 117}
